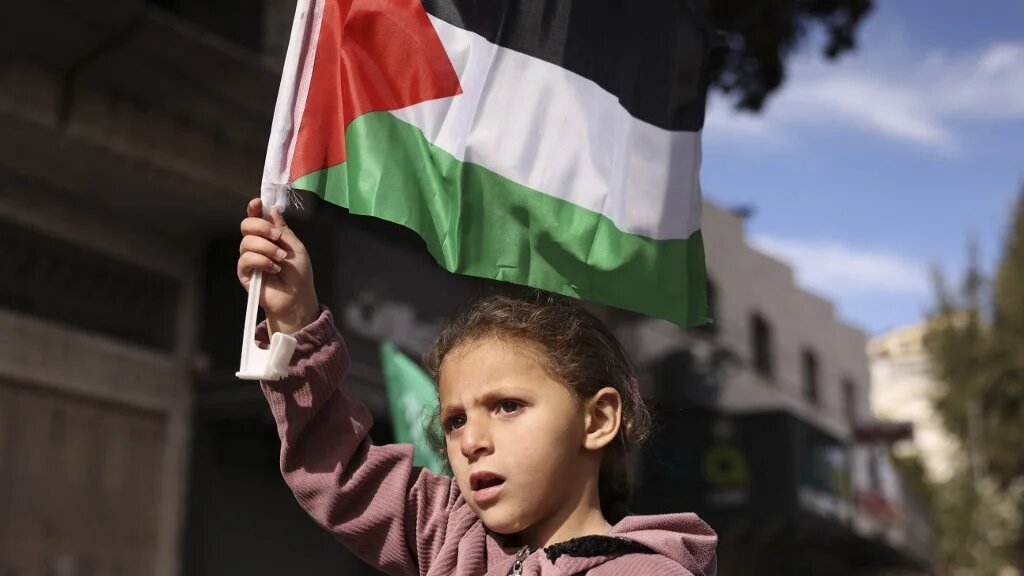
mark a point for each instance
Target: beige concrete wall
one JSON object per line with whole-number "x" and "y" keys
{"x": 748, "y": 281}
{"x": 904, "y": 389}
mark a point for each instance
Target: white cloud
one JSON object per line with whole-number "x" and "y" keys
{"x": 888, "y": 91}
{"x": 842, "y": 271}
{"x": 721, "y": 122}
{"x": 866, "y": 103}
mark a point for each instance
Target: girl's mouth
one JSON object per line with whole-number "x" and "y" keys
{"x": 486, "y": 487}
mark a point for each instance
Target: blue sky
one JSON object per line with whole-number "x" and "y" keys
{"x": 867, "y": 171}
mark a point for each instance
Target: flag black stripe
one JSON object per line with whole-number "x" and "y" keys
{"x": 650, "y": 54}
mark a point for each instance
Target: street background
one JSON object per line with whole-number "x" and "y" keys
{"x": 856, "y": 408}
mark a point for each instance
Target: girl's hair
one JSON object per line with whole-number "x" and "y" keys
{"x": 579, "y": 351}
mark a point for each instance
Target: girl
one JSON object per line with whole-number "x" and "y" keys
{"x": 538, "y": 406}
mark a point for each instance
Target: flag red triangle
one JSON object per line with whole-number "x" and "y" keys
{"x": 371, "y": 55}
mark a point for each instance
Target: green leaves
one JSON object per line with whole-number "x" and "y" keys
{"x": 976, "y": 343}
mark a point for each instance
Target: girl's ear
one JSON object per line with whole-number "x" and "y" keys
{"x": 603, "y": 418}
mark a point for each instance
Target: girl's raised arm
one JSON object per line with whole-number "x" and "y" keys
{"x": 371, "y": 498}
{"x": 390, "y": 514}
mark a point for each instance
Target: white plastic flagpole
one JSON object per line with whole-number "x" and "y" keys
{"x": 272, "y": 364}
{"x": 257, "y": 363}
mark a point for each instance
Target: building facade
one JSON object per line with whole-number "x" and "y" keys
{"x": 904, "y": 389}
{"x": 774, "y": 396}
{"x": 129, "y": 138}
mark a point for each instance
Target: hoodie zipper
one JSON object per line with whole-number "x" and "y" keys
{"x": 517, "y": 566}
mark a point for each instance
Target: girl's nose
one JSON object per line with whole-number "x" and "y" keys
{"x": 476, "y": 439}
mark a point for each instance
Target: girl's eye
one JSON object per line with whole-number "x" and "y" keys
{"x": 509, "y": 406}
{"x": 454, "y": 423}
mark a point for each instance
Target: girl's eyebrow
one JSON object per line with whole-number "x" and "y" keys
{"x": 448, "y": 410}
{"x": 488, "y": 397}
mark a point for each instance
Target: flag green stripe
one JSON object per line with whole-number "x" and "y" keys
{"x": 479, "y": 223}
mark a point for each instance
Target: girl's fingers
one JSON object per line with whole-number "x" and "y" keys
{"x": 255, "y": 208}
{"x": 262, "y": 246}
{"x": 256, "y": 226}
{"x": 276, "y": 218}
{"x": 274, "y": 229}
{"x": 289, "y": 241}
{"x": 250, "y": 261}
{"x": 266, "y": 243}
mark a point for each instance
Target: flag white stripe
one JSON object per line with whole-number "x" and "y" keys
{"x": 559, "y": 133}
{"x": 291, "y": 103}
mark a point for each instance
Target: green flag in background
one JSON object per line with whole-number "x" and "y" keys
{"x": 412, "y": 399}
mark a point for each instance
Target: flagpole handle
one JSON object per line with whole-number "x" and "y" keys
{"x": 257, "y": 363}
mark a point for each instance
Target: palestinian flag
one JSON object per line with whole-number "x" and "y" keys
{"x": 553, "y": 143}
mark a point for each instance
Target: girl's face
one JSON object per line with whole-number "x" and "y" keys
{"x": 515, "y": 437}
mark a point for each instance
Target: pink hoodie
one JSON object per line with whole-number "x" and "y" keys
{"x": 405, "y": 520}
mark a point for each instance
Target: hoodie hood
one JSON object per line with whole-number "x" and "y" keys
{"x": 683, "y": 539}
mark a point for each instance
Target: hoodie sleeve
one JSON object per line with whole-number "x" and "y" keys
{"x": 388, "y": 513}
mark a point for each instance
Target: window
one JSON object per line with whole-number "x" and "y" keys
{"x": 809, "y": 376}
{"x": 850, "y": 400}
{"x": 762, "y": 346}
{"x": 62, "y": 281}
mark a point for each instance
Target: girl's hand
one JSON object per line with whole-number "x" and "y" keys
{"x": 288, "y": 298}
